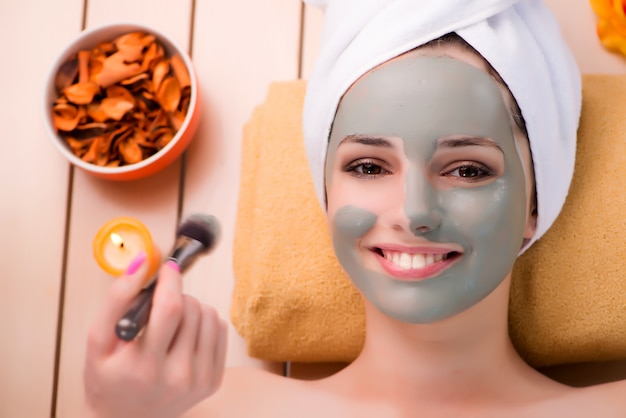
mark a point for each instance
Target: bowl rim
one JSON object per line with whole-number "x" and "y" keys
{"x": 71, "y": 48}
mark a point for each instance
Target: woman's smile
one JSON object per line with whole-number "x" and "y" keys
{"x": 415, "y": 263}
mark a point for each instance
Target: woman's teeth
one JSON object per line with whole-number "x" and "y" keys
{"x": 412, "y": 261}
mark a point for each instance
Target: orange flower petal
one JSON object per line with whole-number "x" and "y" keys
{"x": 176, "y": 120}
{"x": 161, "y": 70}
{"x": 81, "y": 93}
{"x": 130, "y": 151}
{"x": 611, "y": 25}
{"x": 180, "y": 70}
{"x": 153, "y": 54}
{"x": 65, "y": 117}
{"x": 95, "y": 112}
{"x": 130, "y": 46}
{"x": 79, "y": 144}
{"x": 92, "y": 153}
{"x": 168, "y": 94}
{"x": 164, "y": 139}
{"x": 115, "y": 69}
{"x": 83, "y": 66}
{"x": 116, "y": 107}
{"x": 120, "y": 91}
{"x": 66, "y": 75}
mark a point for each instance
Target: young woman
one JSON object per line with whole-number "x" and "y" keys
{"x": 431, "y": 167}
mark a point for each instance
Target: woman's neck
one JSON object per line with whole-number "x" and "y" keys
{"x": 469, "y": 356}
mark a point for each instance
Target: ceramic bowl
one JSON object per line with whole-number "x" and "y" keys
{"x": 152, "y": 159}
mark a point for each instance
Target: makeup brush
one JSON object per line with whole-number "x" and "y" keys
{"x": 195, "y": 236}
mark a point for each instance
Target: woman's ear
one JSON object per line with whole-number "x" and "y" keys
{"x": 531, "y": 222}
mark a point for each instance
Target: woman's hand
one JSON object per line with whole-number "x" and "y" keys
{"x": 176, "y": 362}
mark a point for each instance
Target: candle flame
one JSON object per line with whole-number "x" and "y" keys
{"x": 117, "y": 240}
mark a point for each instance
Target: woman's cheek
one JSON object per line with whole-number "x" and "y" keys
{"x": 490, "y": 216}
{"x": 372, "y": 195}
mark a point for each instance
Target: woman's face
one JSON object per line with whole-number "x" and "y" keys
{"x": 428, "y": 188}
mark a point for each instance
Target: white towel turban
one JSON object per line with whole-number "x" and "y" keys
{"x": 519, "y": 38}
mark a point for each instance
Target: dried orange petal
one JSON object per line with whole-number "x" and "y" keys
{"x": 79, "y": 144}
{"x": 66, "y": 75}
{"x": 116, "y": 107}
{"x": 130, "y": 151}
{"x": 176, "y": 119}
{"x": 154, "y": 134}
{"x": 164, "y": 139}
{"x": 89, "y": 130}
{"x": 130, "y": 46}
{"x": 117, "y": 136}
{"x": 153, "y": 54}
{"x": 95, "y": 112}
{"x": 136, "y": 83}
{"x": 95, "y": 67}
{"x": 104, "y": 150}
{"x": 92, "y": 153}
{"x": 168, "y": 94}
{"x": 146, "y": 102}
{"x": 161, "y": 70}
{"x": 142, "y": 140}
{"x": 159, "y": 120}
{"x": 180, "y": 71}
{"x": 115, "y": 69}
{"x": 81, "y": 93}
{"x": 185, "y": 100}
{"x": 120, "y": 91}
{"x": 65, "y": 117}
{"x": 83, "y": 66}
{"x": 106, "y": 48}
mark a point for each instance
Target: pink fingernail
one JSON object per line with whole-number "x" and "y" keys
{"x": 172, "y": 264}
{"x": 136, "y": 263}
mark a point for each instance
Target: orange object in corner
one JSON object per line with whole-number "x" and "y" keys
{"x": 119, "y": 241}
{"x": 611, "y": 24}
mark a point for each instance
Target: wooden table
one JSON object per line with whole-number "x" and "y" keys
{"x": 51, "y": 286}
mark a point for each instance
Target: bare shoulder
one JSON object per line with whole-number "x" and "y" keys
{"x": 607, "y": 400}
{"x": 612, "y": 394}
{"x": 249, "y": 392}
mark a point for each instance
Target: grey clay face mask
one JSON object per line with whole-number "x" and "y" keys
{"x": 423, "y": 100}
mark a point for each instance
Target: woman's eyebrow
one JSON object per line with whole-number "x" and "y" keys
{"x": 375, "y": 141}
{"x": 468, "y": 141}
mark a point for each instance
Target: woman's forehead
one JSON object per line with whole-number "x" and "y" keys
{"x": 424, "y": 96}
{"x": 448, "y": 49}
{"x": 454, "y": 50}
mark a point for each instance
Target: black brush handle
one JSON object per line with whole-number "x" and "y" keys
{"x": 194, "y": 237}
{"x": 137, "y": 315}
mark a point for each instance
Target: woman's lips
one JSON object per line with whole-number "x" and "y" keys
{"x": 415, "y": 265}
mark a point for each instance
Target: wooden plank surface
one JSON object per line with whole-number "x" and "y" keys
{"x": 311, "y": 33}
{"x": 153, "y": 200}
{"x": 33, "y": 183}
{"x": 238, "y": 47}
{"x": 578, "y": 24}
{"x": 238, "y": 54}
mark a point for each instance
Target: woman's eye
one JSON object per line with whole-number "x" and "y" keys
{"x": 470, "y": 172}
{"x": 366, "y": 169}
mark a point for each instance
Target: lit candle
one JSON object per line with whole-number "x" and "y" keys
{"x": 119, "y": 241}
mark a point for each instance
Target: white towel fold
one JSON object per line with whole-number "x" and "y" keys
{"x": 520, "y": 39}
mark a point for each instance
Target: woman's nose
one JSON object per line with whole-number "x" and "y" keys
{"x": 421, "y": 204}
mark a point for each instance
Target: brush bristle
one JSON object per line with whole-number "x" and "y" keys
{"x": 202, "y": 228}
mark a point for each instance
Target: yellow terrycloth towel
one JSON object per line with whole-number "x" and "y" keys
{"x": 292, "y": 302}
